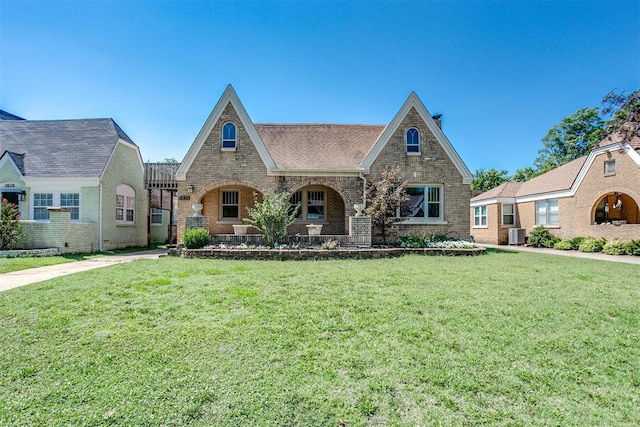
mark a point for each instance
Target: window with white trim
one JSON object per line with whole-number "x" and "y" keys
{"x": 41, "y": 201}
{"x": 230, "y": 204}
{"x": 125, "y": 204}
{"x": 508, "y": 214}
{"x": 156, "y": 216}
{"x": 425, "y": 202}
{"x": 412, "y": 137}
{"x": 312, "y": 204}
{"x": 480, "y": 216}
{"x": 295, "y": 200}
{"x": 610, "y": 167}
{"x": 547, "y": 212}
{"x": 71, "y": 201}
{"x": 229, "y": 140}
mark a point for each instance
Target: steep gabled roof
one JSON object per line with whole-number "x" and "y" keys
{"x": 4, "y": 115}
{"x": 318, "y": 146}
{"x": 62, "y": 148}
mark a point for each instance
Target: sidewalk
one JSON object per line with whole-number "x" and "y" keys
{"x": 34, "y": 275}
{"x": 596, "y": 255}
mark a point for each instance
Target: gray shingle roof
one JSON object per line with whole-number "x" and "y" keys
{"x": 61, "y": 148}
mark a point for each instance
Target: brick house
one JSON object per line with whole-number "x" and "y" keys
{"x": 78, "y": 184}
{"x": 594, "y": 196}
{"x": 324, "y": 167}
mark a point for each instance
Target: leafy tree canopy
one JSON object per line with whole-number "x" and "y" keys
{"x": 486, "y": 179}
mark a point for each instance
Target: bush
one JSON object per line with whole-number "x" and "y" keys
{"x": 540, "y": 237}
{"x": 592, "y": 245}
{"x": 564, "y": 245}
{"x": 614, "y": 247}
{"x": 10, "y": 227}
{"x": 272, "y": 216}
{"x": 413, "y": 240}
{"x": 196, "y": 238}
{"x": 575, "y": 242}
{"x": 632, "y": 247}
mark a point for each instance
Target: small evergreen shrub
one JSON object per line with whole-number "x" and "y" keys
{"x": 614, "y": 247}
{"x": 196, "y": 238}
{"x": 413, "y": 240}
{"x": 564, "y": 245}
{"x": 575, "y": 242}
{"x": 632, "y": 248}
{"x": 10, "y": 227}
{"x": 592, "y": 245}
{"x": 540, "y": 237}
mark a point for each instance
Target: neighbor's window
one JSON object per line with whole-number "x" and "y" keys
{"x": 72, "y": 201}
{"x": 480, "y": 216}
{"x": 230, "y": 204}
{"x": 547, "y": 212}
{"x": 156, "y": 216}
{"x": 610, "y": 167}
{"x": 315, "y": 204}
{"x": 508, "y": 214}
{"x": 425, "y": 202}
{"x": 413, "y": 141}
{"x": 296, "y": 199}
{"x": 125, "y": 204}
{"x": 229, "y": 136}
{"x": 40, "y": 203}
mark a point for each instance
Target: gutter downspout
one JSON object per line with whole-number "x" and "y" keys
{"x": 100, "y": 217}
{"x": 364, "y": 188}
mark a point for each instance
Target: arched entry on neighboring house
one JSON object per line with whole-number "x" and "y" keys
{"x": 615, "y": 206}
{"x": 225, "y": 205}
{"x": 320, "y": 204}
{"x": 12, "y": 194}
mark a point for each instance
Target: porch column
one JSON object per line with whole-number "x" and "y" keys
{"x": 360, "y": 230}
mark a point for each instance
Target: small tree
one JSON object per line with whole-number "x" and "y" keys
{"x": 10, "y": 227}
{"x": 385, "y": 198}
{"x": 272, "y": 216}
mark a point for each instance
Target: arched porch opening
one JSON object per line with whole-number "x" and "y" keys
{"x": 615, "y": 208}
{"x": 226, "y": 206}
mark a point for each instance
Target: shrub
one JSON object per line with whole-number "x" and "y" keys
{"x": 575, "y": 242}
{"x": 564, "y": 245}
{"x": 592, "y": 245}
{"x": 196, "y": 238}
{"x": 330, "y": 244}
{"x": 10, "y": 227}
{"x": 272, "y": 216}
{"x": 632, "y": 247}
{"x": 413, "y": 240}
{"x": 540, "y": 237}
{"x": 614, "y": 247}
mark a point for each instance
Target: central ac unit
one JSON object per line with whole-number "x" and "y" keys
{"x": 516, "y": 236}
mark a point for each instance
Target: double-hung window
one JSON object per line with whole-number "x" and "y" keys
{"x": 547, "y": 212}
{"x": 229, "y": 140}
{"x": 425, "y": 202}
{"x": 312, "y": 204}
{"x": 413, "y": 141}
{"x": 71, "y": 201}
{"x": 125, "y": 204}
{"x": 230, "y": 204}
{"x": 156, "y": 216}
{"x": 480, "y": 216}
{"x": 508, "y": 214}
{"x": 41, "y": 201}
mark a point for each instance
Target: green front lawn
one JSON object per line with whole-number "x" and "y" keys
{"x": 501, "y": 339}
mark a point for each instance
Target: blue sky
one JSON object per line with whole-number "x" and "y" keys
{"x": 501, "y": 72}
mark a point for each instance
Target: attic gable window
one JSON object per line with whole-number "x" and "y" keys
{"x": 413, "y": 141}
{"x": 610, "y": 167}
{"x": 229, "y": 141}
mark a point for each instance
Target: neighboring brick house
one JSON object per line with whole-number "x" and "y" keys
{"x": 78, "y": 183}
{"x": 594, "y": 196}
{"x": 324, "y": 167}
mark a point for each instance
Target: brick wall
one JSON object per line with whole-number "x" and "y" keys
{"x": 59, "y": 232}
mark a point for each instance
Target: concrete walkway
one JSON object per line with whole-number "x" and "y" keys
{"x": 34, "y": 275}
{"x": 597, "y": 255}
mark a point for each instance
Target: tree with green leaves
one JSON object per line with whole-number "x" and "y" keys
{"x": 272, "y": 216}
{"x": 385, "y": 198}
{"x": 524, "y": 174}
{"x": 575, "y": 136}
{"x": 486, "y": 179}
{"x": 623, "y": 110}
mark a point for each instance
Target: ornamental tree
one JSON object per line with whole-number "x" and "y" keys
{"x": 386, "y": 200}
{"x": 10, "y": 227}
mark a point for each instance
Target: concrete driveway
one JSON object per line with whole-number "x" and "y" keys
{"x": 34, "y": 275}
